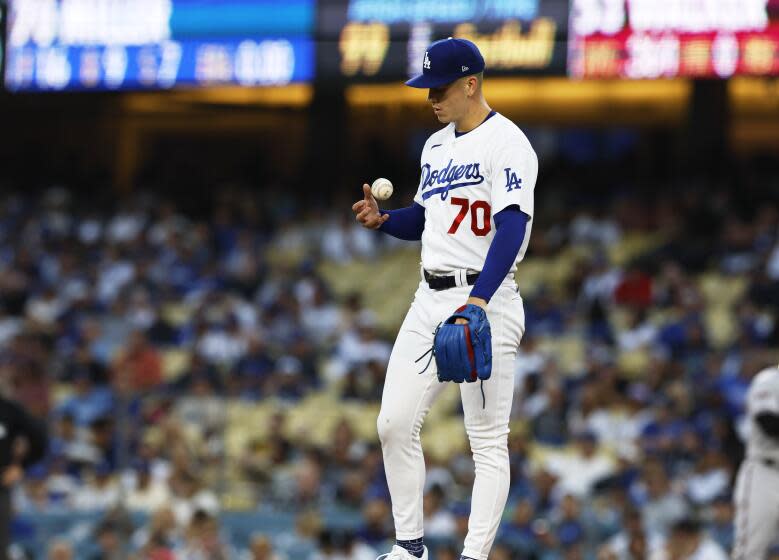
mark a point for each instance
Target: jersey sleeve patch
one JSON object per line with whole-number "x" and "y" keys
{"x": 512, "y": 180}
{"x": 514, "y": 170}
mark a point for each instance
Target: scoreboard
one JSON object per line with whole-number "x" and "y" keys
{"x": 138, "y": 44}
{"x": 54, "y": 45}
{"x": 381, "y": 40}
{"x": 669, "y": 38}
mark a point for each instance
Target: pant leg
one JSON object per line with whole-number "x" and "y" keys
{"x": 757, "y": 510}
{"x": 406, "y": 400}
{"x": 486, "y": 422}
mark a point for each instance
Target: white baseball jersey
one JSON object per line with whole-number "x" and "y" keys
{"x": 763, "y": 396}
{"x": 464, "y": 182}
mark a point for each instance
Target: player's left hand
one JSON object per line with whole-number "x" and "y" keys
{"x": 475, "y": 301}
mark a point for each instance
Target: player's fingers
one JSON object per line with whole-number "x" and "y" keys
{"x": 357, "y": 206}
{"x": 366, "y": 189}
{"x": 370, "y": 221}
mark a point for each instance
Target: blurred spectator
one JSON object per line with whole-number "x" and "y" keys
{"x": 222, "y": 343}
{"x": 146, "y": 493}
{"x": 260, "y": 548}
{"x": 302, "y": 541}
{"x": 543, "y": 317}
{"x": 635, "y": 291}
{"x": 109, "y": 542}
{"x": 710, "y": 477}
{"x": 586, "y": 465}
{"x": 518, "y": 532}
{"x": 531, "y": 361}
{"x": 160, "y": 536}
{"x": 139, "y": 365}
{"x": 361, "y": 344}
{"x": 596, "y": 295}
{"x": 720, "y": 524}
{"x": 364, "y": 382}
{"x": 377, "y": 525}
{"x": 543, "y": 490}
{"x": 687, "y": 541}
{"x": 632, "y": 542}
{"x": 439, "y": 523}
{"x": 60, "y": 550}
{"x": 638, "y": 334}
{"x": 345, "y": 241}
{"x": 324, "y": 318}
{"x": 593, "y": 228}
{"x": 32, "y": 497}
{"x": 662, "y": 506}
{"x": 100, "y": 491}
{"x": 202, "y": 540}
{"x": 549, "y": 424}
{"x": 326, "y": 546}
{"x": 254, "y": 369}
{"x": 83, "y": 363}
{"x": 201, "y": 407}
{"x": 188, "y": 495}
{"x": 307, "y": 481}
{"x": 568, "y": 526}
{"x": 61, "y": 485}
{"x": 88, "y": 402}
{"x": 353, "y": 549}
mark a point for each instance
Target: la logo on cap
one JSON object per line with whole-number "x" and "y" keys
{"x": 464, "y": 68}
{"x": 426, "y": 63}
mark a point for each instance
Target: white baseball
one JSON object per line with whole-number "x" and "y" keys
{"x": 382, "y": 188}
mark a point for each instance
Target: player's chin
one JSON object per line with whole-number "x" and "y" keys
{"x": 442, "y": 118}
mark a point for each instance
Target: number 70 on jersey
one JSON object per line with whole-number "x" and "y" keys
{"x": 480, "y": 213}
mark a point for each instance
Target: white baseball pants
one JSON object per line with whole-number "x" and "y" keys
{"x": 757, "y": 509}
{"x": 408, "y": 396}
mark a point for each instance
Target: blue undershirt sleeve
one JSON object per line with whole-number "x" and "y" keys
{"x": 405, "y": 223}
{"x": 509, "y": 234}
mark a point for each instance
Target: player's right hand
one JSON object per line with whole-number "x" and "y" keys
{"x": 367, "y": 210}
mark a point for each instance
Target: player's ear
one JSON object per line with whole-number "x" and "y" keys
{"x": 471, "y": 85}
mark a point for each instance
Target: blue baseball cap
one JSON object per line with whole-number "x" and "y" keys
{"x": 446, "y": 61}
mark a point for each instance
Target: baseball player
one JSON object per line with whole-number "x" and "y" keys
{"x": 757, "y": 485}
{"x": 472, "y": 212}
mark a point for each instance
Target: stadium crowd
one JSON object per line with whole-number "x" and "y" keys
{"x": 628, "y": 452}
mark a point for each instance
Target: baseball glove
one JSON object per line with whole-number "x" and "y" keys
{"x": 464, "y": 352}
